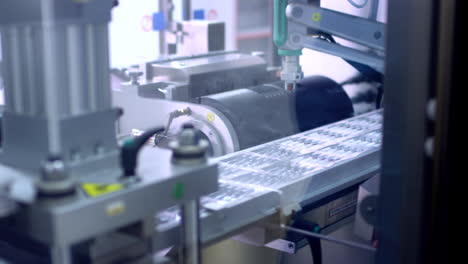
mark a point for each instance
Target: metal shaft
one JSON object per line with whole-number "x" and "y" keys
{"x": 331, "y": 239}
{"x": 190, "y": 251}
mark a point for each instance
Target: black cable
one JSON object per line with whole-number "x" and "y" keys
{"x": 365, "y": 70}
{"x": 359, "y": 78}
{"x": 131, "y": 148}
{"x": 379, "y": 99}
{"x": 315, "y": 244}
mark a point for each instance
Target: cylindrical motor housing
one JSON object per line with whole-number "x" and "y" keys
{"x": 267, "y": 112}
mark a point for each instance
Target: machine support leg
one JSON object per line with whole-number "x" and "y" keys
{"x": 60, "y": 255}
{"x": 190, "y": 251}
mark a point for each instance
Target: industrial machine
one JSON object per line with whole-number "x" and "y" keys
{"x": 227, "y": 93}
{"x": 70, "y": 193}
{"x": 153, "y": 162}
{"x": 237, "y": 102}
{"x": 74, "y": 190}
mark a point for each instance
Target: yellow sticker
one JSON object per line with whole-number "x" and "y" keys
{"x": 317, "y": 17}
{"x": 115, "y": 208}
{"x": 210, "y": 117}
{"x": 98, "y": 189}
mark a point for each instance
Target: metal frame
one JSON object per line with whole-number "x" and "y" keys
{"x": 294, "y": 18}
{"x": 407, "y": 185}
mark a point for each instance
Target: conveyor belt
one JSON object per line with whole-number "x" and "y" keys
{"x": 283, "y": 175}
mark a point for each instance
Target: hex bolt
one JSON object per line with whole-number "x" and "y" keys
{"x": 55, "y": 179}
{"x": 189, "y": 148}
{"x": 54, "y": 171}
{"x": 188, "y": 136}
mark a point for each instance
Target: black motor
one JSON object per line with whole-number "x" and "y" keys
{"x": 267, "y": 112}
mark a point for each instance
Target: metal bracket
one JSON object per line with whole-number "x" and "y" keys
{"x": 362, "y": 31}
{"x": 356, "y": 29}
{"x": 372, "y": 60}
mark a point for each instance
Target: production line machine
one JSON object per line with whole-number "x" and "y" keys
{"x": 75, "y": 190}
{"x": 234, "y": 99}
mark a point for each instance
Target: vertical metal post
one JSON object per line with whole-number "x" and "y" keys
{"x": 190, "y": 251}
{"x": 60, "y": 255}
{"x": 186, "y": 10}
{"x": 166, "y": 7}
{"x": 410, "y": 71}
{"x": 51, "y": 68}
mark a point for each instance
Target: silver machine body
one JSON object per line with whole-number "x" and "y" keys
{"x": 58, "y": 136}
{"x": 170, "y": 86}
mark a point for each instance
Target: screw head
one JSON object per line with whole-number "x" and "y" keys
{"x": 377, "y": 35}
{"x": 297, "y": 12}
{"x": 296, "y": 39}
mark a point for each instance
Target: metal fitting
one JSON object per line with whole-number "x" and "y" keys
{"x": 189, "y": 148}
{"x": 54, "y": 179}
{"x": 292, "y": 72}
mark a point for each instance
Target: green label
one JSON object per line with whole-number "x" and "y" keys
{"x": 178, "y": 191}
